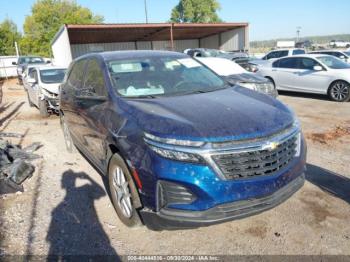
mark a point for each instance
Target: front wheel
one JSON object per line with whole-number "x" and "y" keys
{"x": 123, "y": 192}
{"x": 29, "y": 101}
{"x": 339, "y": 91}
{"x": 43, "y": 108}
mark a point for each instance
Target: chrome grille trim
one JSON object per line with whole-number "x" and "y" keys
{"x": 242, "y": 146}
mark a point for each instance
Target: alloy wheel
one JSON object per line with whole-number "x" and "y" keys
{"x": 340, "y": 91}
{"x": 121, "y": 188}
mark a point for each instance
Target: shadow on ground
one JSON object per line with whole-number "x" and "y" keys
{"x": 304, "y": 95}
{"x": 75, "y": 228}
{"x": 329, "y": 181}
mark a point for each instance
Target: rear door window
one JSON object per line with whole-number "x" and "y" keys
{"x": 283, "y": 53}
{"x": 298, "y": 52}
{"x": 94, "y": 83}
{"x": 307, "y": 63}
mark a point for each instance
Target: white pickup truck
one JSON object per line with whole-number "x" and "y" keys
{"x": 339, "y": 43}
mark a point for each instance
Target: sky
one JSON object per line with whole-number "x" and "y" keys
{"x": 268, "y": 19}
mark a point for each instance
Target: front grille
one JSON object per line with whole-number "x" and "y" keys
{"x": 256, "y": 163}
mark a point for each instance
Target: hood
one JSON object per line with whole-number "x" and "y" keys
{"x": 53, "y": 88}
{"x": 246, "y": 77}
{"x": 230, "y": 114}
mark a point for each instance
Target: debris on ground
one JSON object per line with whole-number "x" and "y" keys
{"x": 14, "y": 166}
{"x": 326, "y": 137}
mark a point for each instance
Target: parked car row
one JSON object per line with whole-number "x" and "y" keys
{"x": 185, "y": 142}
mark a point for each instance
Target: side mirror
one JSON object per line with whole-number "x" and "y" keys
{"x": 31, "y": 81}
{"x": 48, "y": 61}
{"x": 318, "y": 68}
{"x": 14, "y": 63}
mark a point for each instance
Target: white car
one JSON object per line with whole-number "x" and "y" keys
{"x": 235, "y": 74}
{"x": 42, "y": 85}
{"x": 311, "y": 73}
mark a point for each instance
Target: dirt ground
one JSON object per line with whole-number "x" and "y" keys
{"x": 65, "y": 209}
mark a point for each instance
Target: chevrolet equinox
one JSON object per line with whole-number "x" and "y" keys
{"x": 179, "y": 146}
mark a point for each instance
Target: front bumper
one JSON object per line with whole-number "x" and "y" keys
{"x": 167, "y": 218}
{"x": 53, "y": 103}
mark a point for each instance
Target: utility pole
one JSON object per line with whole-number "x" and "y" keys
{"x": 16, "y": 46}
{"x": 298, "y": 33}
{"x": 145, "y": 1}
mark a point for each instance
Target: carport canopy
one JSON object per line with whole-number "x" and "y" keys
{"x": 108, "y": 33}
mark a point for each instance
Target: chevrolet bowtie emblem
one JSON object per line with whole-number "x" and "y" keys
{"x": 271, "y": 146}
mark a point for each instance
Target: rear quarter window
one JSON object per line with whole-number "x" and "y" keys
{"x": 298, "y": 52}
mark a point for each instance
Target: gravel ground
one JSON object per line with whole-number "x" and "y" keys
{"x": 65, "y": 209}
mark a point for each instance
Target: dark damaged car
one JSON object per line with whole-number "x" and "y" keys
{"x": 179, "y": 146}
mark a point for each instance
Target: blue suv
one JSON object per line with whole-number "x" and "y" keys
{"x": 178, "y": 145}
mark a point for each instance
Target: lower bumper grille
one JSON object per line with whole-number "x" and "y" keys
{"x": 257, "y": 163}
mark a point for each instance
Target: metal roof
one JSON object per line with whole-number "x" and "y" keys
{"x": 108, "y": 33}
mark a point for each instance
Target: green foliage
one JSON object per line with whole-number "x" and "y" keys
{"x": 8, "y": 36}
{"x": 196, "y": 11}
{"x": 46, "y": 19}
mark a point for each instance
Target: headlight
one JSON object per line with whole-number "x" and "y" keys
{"x": 251, "y": 86}
{"x": 177, "y": 155}
{"x": 48, "y": 94}
{"x": 266, "y": 88}
{"x": 171, "y": 148}
{"x": 171, "y": 141}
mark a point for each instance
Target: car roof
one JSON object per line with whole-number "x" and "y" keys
{"x": 130, "y": 54}
{"x": 305, "y": 55}
{"x": 214, "y": 59}
{"x": 323, "y": 51}
{"x": 281, "y": 49}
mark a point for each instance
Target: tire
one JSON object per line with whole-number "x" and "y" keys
{"x": 29, "y": 101}
{"x": 271, "y": 80}
{"x": 339, "y": 91}
{"x": 67, "y": 137}
{"x": 123, "y": 192}
{"x": 43, "y": 108}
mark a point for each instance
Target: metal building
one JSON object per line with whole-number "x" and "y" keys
{"x": 72, "y": 41}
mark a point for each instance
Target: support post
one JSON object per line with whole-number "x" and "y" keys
{"x": 171, "y": 37}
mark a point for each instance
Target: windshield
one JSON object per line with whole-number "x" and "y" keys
{"x": 223, "y": 67}
{"x": 162, "y": 76}
{"x": 333, "y": 62}
{"x": 52, "y": 76}
{"x": 31, "y": 60}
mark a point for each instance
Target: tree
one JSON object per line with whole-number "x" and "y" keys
{"x": 46, "y": 19}
{"x": 196, "y": 11}
{"x": 8, "y": 36}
